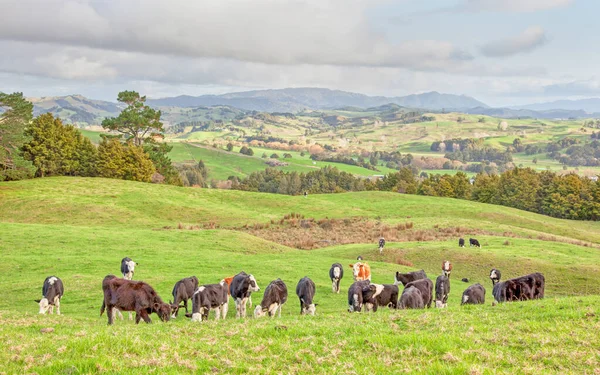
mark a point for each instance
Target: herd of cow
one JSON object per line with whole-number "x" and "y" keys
{"x": 124, "y": 294}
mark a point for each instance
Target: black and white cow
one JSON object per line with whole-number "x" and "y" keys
{"x": 183, "y": 290}
{"x": 411, "y": 298}
{"x": 336, "y": 273}
{"x": 128, "y": 268}
{"x": 305, "y": 290}
{"x": 473, "y": 295}
{"x": 495, "y": 276}
{"x": 442, "y": 290}
{"x": 376, "y": 295}
{"x": 381, "y": 245}
{"x": 52, "y": 292}
{"x": 275, "y": 296}
{"x": 355, "y": 295}
{"x": 474, "y": 242}
{"x": 242, "y": 286}
{"x": 461, "y": 242}
{"x": 210, "y": 297}
{"x": 405, "y": 278}
{"x": 426, "y": 288}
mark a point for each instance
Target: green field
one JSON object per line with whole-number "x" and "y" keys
{"x": 80, "y": 228}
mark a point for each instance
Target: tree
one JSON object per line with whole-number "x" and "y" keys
{"x": 274, "y": 156}
{"x": 17, "y": 114}
{"x": 138, "y": 121}
{"x": 534, "y": 160}
{"x": 128, "y": 162}
{"x": 158, "y": 153}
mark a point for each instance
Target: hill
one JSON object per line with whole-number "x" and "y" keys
{"x": 76, "y": 109}
{"x": 591, "y": 105}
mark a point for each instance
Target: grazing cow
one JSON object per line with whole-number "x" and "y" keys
{"x": 495, "y": 276}
{"x": 381, "y": 245}
{"x": 446, "y": 268}
{"x": 228, "y": 281}
{"x": 442, "y": 290}
{"x": 210, "y": 297}
{"x": 275, "y": 296}
{"x": 499, "y": 292}
{"x": 426, "y": 288}
{"x": 305, "y": 290}
{"x": 473, "y": 295}
{"x": 52, "y": 292}
{"x": 355, "y": 295}
{"x": 411, "y": 298}
{"x": 525, "y": 287}
{"x": 359, "y": 257}
{"x": 127, "y": 295}
{"x": 405, "y": 278}
{"x": 461, "y": 242}
{"x": 361, "y": 271}
{"x": 464, "y": 280}
{"x": 242, "y": 286}
{"x": 336, "y": 273}
{"x": 381, "y": 295}
{"x": 128, "y": 268}
{"x": 183, "y": 290}
{"x": 474, "y": 242}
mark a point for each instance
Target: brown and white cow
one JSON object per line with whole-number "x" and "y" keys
{"x": 210, "y": 297}
{"x": 242, "y": 286}
{"x": 446, "y": 268}
{"x": 183, "y": 291}
{"x": 52, "y": 292}
{"x": 361, "y": 271}
{"x": 127, "y": 295}
{"x": 275, "y": 296}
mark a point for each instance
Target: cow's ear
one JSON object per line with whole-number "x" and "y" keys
{"x": 37, "y": 300}
{"x": 316, "y": 304}
{"x": 352, "y": 265}
{"x": 156, "y": 306}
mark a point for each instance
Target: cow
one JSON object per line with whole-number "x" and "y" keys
{"x": 183, "y": 290}
{"x": 336, "y": 273}
{"x": 446, "y": 268}
{"x": 228, "y": 281}
{"x": 359, "y": 257}
{"x": 464, "y": 280}
{"x": 355, "y": 295}
{"x": 242, "y": 286}
{"x": 442, "y": 290}
{"x": 499, "y": 292}
{"x": 52, "y": 292}
{"x": 210, "y": 297}
{"x": 473, "y": 295}
{"x": 525, "y": 287}
{"x": 495, "y": 276}
{"x": 382, "y": 295}
{"x": 474, "y": 242}
{"x": 128, "y": 268}
{"x": 127, "y": 295}
{"x": 275, "y": 296}
{"x": 361, "y": 271}
{"x": 381, "y": 245}
{"x": 461, "y": 242}
{"x": 405, "y": 278}
{"x": 411, "y": 298}
{"x": 305, "y": 290}
{"x": 426, "y": 288}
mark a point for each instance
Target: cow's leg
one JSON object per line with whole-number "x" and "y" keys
{"x": 145, "y": 316}
{"x": 237, "y": 307}
{"x": 224, "y": 309}
{"x": 243, "y": 307}
{"x": 249, "y": 301}
{"x": 110, "y": 312}
{"x": 217, "y": 311}
{"x": 185, "y": 305}
{"x": 130, "y": 315}
{"x": 280, "y": 306}
{"x": 57, "y": 303}
{"x": 138, "y": 316}
{"x": 51, "y": 309}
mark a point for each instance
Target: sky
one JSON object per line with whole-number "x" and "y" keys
{"x": 502, "y": 52}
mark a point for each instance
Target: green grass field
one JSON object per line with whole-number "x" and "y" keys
{"x": 79, "y": 229}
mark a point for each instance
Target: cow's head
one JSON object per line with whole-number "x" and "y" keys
{"x": 356, "y": 303}
{"x": 259, "y": 311}
{"x": 446, "y": 267}
{"x": 310, "y": 309}
{"x": 356, "y": 269}
{"x": 252, "y": 285}
{"x": 494, "y": 275}
{"x": 163, "y": 310}
{"x": 44, "y": 305}
{"x": 174, "y": 310}
{"x": 439, "y": 304}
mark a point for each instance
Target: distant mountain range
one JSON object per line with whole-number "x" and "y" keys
{"x": 588, "y": 105}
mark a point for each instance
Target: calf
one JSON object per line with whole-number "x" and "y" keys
{"x": 336, "y": 273}
{"x": 461, "y": 242}
{"x": 305, "y": 290}
{"x": 275, "y": 296}
{"x": 210, "y": 297}
{"x": 52, "y": 292}
{"x": 128, "y": 268}
{"x": 361, "y": 271}
{"x": 495, "y": 276}
{"x": 127, "y": 295}
{"x": 241, "y": 288}
{"x": 446, "y": 268}
{"x": 406, "y": 278}
{"x": 426, "y": 288}
{"x": 381, "y": 245}
{"x": 474, "y": 242}
{"x": 381, "y": 295}
{"x": 228, "y": 281}
{"x": 473, "y": 295}
{"x": 442, "y": 290}
{"x": 183, "y": 291}
{"x": 411, "y": 298}
{"x": 355, "y": 295}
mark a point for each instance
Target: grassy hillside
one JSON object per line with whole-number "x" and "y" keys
{"x": 79, "y": 229}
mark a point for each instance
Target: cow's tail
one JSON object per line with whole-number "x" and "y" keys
{"x": 102, "y": 308}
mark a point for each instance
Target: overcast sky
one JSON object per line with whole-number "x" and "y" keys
{"x": 499, "y": 51}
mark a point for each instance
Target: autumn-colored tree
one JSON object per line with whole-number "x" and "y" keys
{"x": 17, "y": 114}
{"x": 485, "y": 188}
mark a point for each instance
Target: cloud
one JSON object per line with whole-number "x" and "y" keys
{"x": 512, "y": 6}
{"x": 530, "y": 39}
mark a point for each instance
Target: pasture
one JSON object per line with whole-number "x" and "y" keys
{"x": 79, "y": 229}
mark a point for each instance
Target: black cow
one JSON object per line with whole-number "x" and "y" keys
{"x": 336, "y": 273}
{"x": 495, "y": 276}
{"x": 355, "y": 295}
{"x": 128, "y": 268}
{"x": 305, "y": 290}
{"x": 411, "y": 298}
{"x": 499, "y": 292}
{"x": 127, "y": 295}
{"x": 241, "y": 288}
{"x": 183, "y": 290}
{"x": 474, "y": 242}
{"x": 381, "y": 245}
{"x": 442, "y": 290}
{"x": 210, "y": 297}
{"x": 426, "y": 288}
{"x": 275, "y": 296}
{"x": 52, "y": 292}
{"x": 380, "y": 295}
{"x": 405, "y": 278}
{"x": 473, "y": 295}
{"x": 359, "y": 257}
{"x": 461, "y": 242}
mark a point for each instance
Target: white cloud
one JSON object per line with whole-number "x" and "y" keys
{"x": 530, "y": 39}
{"x": 515, "y": 6}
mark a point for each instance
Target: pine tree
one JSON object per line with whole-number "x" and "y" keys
{"x": 17, "y": 114}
